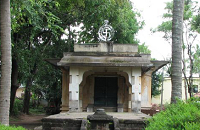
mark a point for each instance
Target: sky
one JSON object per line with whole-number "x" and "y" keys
{"x": 151, "y": 12}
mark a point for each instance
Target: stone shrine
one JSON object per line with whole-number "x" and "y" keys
{"x": 106, "y": 75}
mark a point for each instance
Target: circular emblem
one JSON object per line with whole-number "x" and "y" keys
{"x": 106, "y": 32}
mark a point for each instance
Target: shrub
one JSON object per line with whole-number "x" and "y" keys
{"x": 179, "y": 116}
{"x": 3, "y": 127}
{"x": 39, "y": 110}
{"x": 17, "y": 108}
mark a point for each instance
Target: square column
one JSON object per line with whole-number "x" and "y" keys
{"x": 74, "y": 89}
{"x": 136, "y": 89}
{"x": 146, "y": 89}
{"x": 65, "y": 90}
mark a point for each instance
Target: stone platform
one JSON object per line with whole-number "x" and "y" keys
{"x": 78, "y": 121}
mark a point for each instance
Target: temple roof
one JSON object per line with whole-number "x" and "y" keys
{"x": 104, "y": 59}
{"x": 109, "y": 55}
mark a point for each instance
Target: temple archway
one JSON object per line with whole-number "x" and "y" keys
{"x": 105, "y": 89}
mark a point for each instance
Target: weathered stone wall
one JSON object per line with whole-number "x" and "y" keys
{"x": 123, "y": 93}
{"x": 106, "y": 47}
{"x": 131, "y": 124}
{"x": 61, "y": 124}
{"x": 88, "y": 92}
{"x": 99, "y": 47}
{"x": 76, "y": 124}
{"x": 125, "y": 48}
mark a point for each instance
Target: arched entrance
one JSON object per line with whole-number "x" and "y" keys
{"x": 108, "y": 90}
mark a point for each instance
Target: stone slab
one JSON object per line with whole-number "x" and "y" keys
{"x": 76, "y": 121}
{"x": 83, "y": 115}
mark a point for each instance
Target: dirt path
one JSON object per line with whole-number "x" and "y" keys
{"x": 28, "y": 121}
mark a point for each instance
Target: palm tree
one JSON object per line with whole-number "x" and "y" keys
{"x": 5, "y": 62}
{"x": 177, "y": 30}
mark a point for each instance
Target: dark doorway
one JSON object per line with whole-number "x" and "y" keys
{"x": 105, "y": 91}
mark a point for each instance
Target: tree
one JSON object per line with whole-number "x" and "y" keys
{"x": 121, "y": 16}
{"x": 197, "y": 60}
{"x": 196, "y": 27}
{"x": 5, "y": 62}
{"x": 33, "y": 29}
{"x": 37, "y": 29}
{"x": 177, "y": 31}
{"x": 190, "y": 20}
{"x": 143, "y": 49}
{"x": 156, "y": 83}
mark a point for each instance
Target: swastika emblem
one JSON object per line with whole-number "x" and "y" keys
{"x": 106, "y": 32}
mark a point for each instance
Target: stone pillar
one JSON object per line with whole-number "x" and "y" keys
{"x": 136, "y": 89}
{"x": 146, "y": 89}
{"x": 130, "y": 100}
{"x": 65, "y": 90}
{"x": 74, "y": 89}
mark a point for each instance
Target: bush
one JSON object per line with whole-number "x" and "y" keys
{"x": 3, "y": 127}
{"x": 17, "y": 108}
{"x": 179, "y": 116}
{"x": 39, "y": 110}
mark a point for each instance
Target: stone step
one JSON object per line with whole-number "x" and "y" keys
{"x": 107, "y": 109}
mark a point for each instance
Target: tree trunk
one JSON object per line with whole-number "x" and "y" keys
{"x": 69, "y": 39}
{"x": 191, "y": 69}
{"x": 177, "y": 29}
{"x": 184, "y": 72}
{"x": 6, "y": 63}
{"x": 14, "y": 83}
{"x": 27, "y": 94}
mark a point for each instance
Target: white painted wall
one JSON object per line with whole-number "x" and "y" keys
{"x": 167, "y": 87}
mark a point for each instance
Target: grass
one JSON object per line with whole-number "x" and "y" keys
{"x": 14, "y": 118}
{"x": 37, "y": 111}
{"x": 3, "y": 127}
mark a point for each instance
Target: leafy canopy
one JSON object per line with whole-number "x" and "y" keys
{"x": 179, "y": 116}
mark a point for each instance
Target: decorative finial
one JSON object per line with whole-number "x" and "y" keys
{"x": 106, "y": 32}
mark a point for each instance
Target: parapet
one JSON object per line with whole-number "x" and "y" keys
{"x": 106, "y": 47}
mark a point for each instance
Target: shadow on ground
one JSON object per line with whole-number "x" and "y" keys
{"x": 27, "y": 121}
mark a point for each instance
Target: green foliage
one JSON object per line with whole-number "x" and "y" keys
{"x": 120, "y": 15}
{"x": 197, "y": 60}
{"x": 51, "y": 88}
{"x": 166, "y": 28}
{"x": 196, "y": 23}
{"x": 179, "y": 116}
{"x": 156, "y": 83}
{"x": 189, "y": 18}
{"x": 3, "y": 127}
{"x": 38, "y": 27}
{"x": 143, "y": 49}
{"x": 17, "y": 108}
{"x": 39, "y": 110}
{"x": 35, "y": 29}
